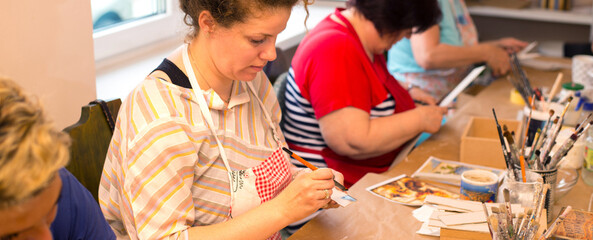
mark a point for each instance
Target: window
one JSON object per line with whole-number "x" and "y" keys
{"x": 109, "y": 13}
{"x": 122, "y": 25}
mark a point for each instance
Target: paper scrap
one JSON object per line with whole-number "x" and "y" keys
{"x": 423, "y": 213}
{"x": 342, "y": 198}
{"x": 463, "y": 218}
{"x": 428, "y": 230}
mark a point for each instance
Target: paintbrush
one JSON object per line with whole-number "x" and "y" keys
{"x": 541, "y": 202}
{"x": 522, "y": 163}
{"x": 493, "y": 221}
{"x": 533, "y": 143}
{"x": 555, "y": 88}
{"x": 520, "y": 80}
{"x": 505, "y": 153}
{"x": 566, "y": 107}
{"x": 500, "y": 222}
{"x": 517, "y": 221}
{"x": 538, "y": 198}
{"x": 549, "y": 142}
{"x": 559, "y": 219}
{"x": 523, "y": 140}
{"x": 532, "y": 231}
{"x": 566, "y": 146}
{"x": 581, "y": 125}
{"x": 516, "y": 173}
{"x": 509, "y": 212}
{"x": 522, "y": 225}
{"x": 522, "y": 76}
{"x": 513, "y": 147}
{"x": 548, "y": 124}
{"x": 311, "y": 166}
{"x": 488, "y": 222}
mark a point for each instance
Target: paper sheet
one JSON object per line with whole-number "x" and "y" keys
{"x": 462, "y": 85}
{"x": 444, "y": 103}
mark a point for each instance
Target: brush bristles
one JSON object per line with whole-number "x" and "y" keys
{"x": 506, "y": 194}
{"x": 551, "y": 112}
{"x": 566, "y": 211}
{"x": 495, "y": 210}
{"x": 494, "y": 223}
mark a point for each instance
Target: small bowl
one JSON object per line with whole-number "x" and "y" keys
{"x": 565, "y": 181}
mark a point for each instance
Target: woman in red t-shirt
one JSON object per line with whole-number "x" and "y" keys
{"x": 344, "y": 110}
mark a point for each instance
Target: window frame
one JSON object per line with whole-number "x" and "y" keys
{"x": 119, "y": 39}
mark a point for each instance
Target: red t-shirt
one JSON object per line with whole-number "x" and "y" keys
{"x": 333, "y": 71}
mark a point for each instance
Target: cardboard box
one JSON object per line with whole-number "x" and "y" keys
{"x": 453, "y": 234}
{"x": 480, "y": 143}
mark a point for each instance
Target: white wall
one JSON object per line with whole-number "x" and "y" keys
{"x": 47, "y": 47}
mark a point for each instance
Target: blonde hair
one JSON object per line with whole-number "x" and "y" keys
{"x": 31, "y": 149}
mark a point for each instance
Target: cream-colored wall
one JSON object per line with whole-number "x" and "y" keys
{"x": 47, "y": 47}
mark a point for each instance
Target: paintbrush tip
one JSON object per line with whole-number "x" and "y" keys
{"x": 551, "y": 112}
{"x": 495, "y": 210}
{"x": 569, "y": 99}
{"x": 286, "y": 150}
{"x": 494, "y": 223}
{"x": 506, "y": 194}
{"x": 566, "y": 211}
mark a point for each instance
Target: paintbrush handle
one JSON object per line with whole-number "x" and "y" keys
{"x": 312, "y": 167}
{"x": 555, "y": 87}
{"x": 559, "y": 219}
{"x": 297, "y": 157}
{"x": 522, "y": 163}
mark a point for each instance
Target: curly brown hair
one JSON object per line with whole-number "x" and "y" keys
{"x": 228, "y": 12}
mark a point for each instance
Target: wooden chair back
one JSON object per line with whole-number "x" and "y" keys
{"x": 91, "y": 136}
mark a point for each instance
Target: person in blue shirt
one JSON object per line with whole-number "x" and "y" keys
{"x": 39, "y": 198}
{"x": 437, "y": 59}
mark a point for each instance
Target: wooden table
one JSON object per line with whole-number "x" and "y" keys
{"x": 372, "y": 217}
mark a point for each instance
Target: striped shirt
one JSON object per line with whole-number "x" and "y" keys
{"x": 163, "y": 173}
{"x": 331, "y": 70}
{"x": 301, "y": 127}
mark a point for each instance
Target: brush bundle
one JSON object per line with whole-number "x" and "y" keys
{"x": 504, "y": 224}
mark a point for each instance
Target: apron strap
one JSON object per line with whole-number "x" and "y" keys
{"x": 266, "y": 115}
{"x": 198, "y": 95}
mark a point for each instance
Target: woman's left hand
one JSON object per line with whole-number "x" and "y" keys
{"x": 511, "y": 45}
{"x": 422, "y": 96}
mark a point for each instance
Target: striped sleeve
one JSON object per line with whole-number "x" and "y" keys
{"x": 146, "y": 189}
{"x": 156, "y": 194}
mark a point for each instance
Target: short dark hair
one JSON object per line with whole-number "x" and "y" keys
{"x": 391, "y": 16}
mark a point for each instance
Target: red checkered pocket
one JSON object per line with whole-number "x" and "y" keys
{"x": 272, "y": 176}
